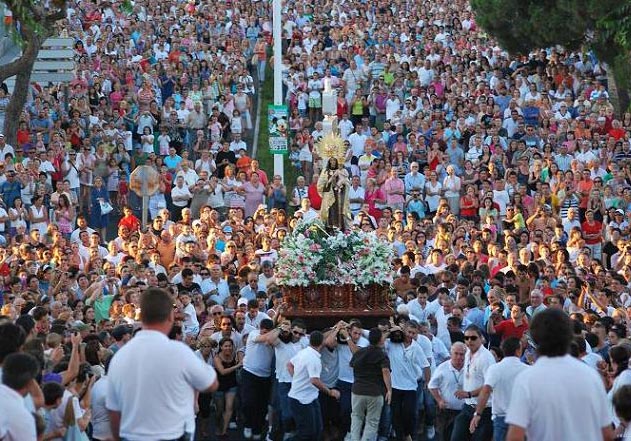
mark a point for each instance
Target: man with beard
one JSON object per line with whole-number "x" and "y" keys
{"x": 290, "y": 341}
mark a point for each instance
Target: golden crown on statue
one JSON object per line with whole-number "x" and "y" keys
{"x": 332, "y": 146}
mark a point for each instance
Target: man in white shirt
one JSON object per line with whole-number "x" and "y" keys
{"x": 101, "y": 428}
{"x": 289, "y": 342}
{"x": 141, "y": 408}
{"x": 305, "y": 368}
{"x": 356, "y": 195}
{"x": 445, "y": 382}
{"x": 499, "y": 381}
{"x": 409, "y": 365}
{"x": 216, "y": 287}
{"x": 181, "y": 196}
{"x": 477, "y": 361}
{"x": 559, "y": 397}
{"x": 256, "y": 378}
{"x": 420, "y": 307}
{"x": 347, "y": 339}
{"x": 19, "y": 371}
{"x": 191, "y": 324}
{"x": 308, "y": 213}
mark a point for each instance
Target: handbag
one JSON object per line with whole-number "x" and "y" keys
{"x": 73, "y": 433}
{"x": 106, "y": 207}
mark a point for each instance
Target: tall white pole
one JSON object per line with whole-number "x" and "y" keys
{"x": 278, "y": 74}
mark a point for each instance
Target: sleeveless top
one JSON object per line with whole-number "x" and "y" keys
{"x": 227, "y": 382}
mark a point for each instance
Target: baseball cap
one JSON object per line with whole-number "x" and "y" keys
{"x": 227, "y": 229}
{"x": 620, "y": 212}
{"x": 80, "y": 326}
{"x": 119, "y": 331}
{"x": 242, "y": 301}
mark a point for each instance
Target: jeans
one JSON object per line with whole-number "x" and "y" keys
{"x": 404, "y": 413}
{"x": 255, "y": 393}
{"x": 444, "y": 423}
{"x": 366, "y": 412}
{"x": 426, "y": 404}
{"x": 308, "y": 418}
{"x": 345, "y": 405}
{"x": 484, "y": 432}
{"x": 500, "y": 428}
{"x": 285, "y": 416}
{"x": 385, "y": 423}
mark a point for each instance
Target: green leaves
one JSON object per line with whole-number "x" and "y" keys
{"x": 521, "y": 26}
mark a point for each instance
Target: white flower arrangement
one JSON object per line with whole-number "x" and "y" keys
{"x": 311, "y": 255}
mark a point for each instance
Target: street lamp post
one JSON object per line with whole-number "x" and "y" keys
{"x": 278, "y": 74}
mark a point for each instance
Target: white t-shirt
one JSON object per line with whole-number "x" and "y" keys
{"x": 191, "y": 324}
{"x": 153, "y": 409}
{"x": 101, "y": 429}
{"x": 475, "y": 367}
{"x": 447, "y": 379}
{"x": 16, "y": 422}
{"x": 344, "y": 356}
{"x": 258, "y": 356}
{"x": 407, "y": 364}
{"x": 559, "y": 398}
{"x": 358, "y": 193}
{"x": 623, "y": 379}
{"x": 284, "y": 352}
{"x": 501, "y": 377}
{"x": 307, "y": 365}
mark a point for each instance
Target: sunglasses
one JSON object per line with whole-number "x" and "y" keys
{"x": 470, "y": 337}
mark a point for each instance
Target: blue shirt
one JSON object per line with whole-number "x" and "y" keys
{"x": 172, "y": 162}
{"x": 411, "y": 181}
{"x": 11, "y": 191}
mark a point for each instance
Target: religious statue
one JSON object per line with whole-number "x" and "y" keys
{"x": 334, "y": 183}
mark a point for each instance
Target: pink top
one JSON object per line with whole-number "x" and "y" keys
{"x": 394, "y": 185}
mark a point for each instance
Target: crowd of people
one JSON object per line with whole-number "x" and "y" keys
{"x": 503, "y": 184}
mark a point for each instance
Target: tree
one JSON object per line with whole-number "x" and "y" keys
{"x": 602, "y": 25}
{"x": 36, "y": 21}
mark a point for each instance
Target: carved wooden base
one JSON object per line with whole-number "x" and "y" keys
{"x": 327, "y": 304}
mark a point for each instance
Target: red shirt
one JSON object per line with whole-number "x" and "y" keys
{"x": 131, "y": 222}
{"x": 594, "y": 228}
{"x": 314, "y": 196}
{"x": 507, "y": 329}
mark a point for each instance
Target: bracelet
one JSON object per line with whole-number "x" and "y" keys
{"x": 470, "y": 395}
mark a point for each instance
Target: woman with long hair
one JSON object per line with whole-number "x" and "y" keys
{"x": 64, "y": 216}
{"x": 227, "y": 363}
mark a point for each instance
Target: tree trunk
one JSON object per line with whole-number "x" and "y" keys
{"x": 16, "y": 104}
{"x": 20, "y": 67}
{"x": 619, "y": 82}
{"x": 37, "y": 24}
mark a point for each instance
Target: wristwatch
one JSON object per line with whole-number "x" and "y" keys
{"x": 469, "y": 394}
{"x": 475, "y": 414}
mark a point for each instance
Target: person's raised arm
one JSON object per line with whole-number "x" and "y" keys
{"x": 75, "y": 360}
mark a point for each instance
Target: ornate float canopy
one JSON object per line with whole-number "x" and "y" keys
{"x": 332, "y": 146}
